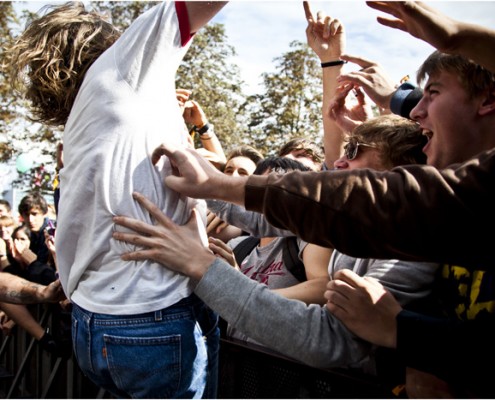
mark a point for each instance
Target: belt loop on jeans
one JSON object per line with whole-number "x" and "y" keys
{"x": 158, "y": 315}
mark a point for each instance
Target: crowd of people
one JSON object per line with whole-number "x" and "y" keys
{"x": 365, "y": 253}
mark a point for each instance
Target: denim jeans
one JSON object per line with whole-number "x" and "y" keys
{"x": 169, "y": 353}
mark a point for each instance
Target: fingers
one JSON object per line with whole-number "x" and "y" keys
{"x": 213, "y": 223}
{"x": 162, "y": 150}
{"x": 183, "y": 92}
{"x": 221, "y": 226}
{"x": 381, "y": 6}
{"x": 362, "y": 62}
{"x": 354, "y": 280}
{"x": 221, "y": 249}
{"x": 307, "y": 11}
{"x": 392, "y": 23}
{"x": 153, "y": 209}
{"x": 360, "y": 96}
{"x": 335, "y": 27}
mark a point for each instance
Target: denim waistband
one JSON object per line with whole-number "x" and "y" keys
{"x": 191, "y": 301}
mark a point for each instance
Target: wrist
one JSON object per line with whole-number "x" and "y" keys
{"x": 333, "y": 63}
{"x": 202, "y": 129}
{"x": 199, "y": 268}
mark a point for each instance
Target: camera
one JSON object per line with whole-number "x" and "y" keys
{"x": 51, "y": 228}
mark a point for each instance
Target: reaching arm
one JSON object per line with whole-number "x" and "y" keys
{"x": 442, "y": 32}
{"x": 14, "y": 289}
{"x": 312, "y": 290}
{"x": 201, "y": 12}
{"x": 308, "y": 333}
{"x": 326, "y": 36}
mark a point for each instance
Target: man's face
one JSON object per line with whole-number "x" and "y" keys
{"x": 449, "y": 118}
{"x": 303, "y": 157}
{"x": 6, "y": 231}
{"x": 34, "y": 219}
{"x": 3, "y": 210}
{"x": 239, "y": 166}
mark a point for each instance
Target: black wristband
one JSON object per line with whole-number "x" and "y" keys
{"x": 333, "y": 63}
{"x": 203, "y": 129}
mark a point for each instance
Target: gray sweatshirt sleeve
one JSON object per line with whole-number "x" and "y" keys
{"x": 310, "y": 334}
{"x": 249, "y": 221}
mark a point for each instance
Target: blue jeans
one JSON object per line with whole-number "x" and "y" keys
{"x": 169, "y": 353}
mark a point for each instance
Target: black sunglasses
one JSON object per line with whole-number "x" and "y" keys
{"x": 351, "y": 148}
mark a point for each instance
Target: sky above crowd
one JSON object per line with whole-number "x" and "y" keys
{"x": 262, "y": 30}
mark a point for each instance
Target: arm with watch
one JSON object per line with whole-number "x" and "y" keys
{"x": 195, "y": 116}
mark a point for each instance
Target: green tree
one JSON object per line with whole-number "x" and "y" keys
{"x": 215, "y": 82}
{"x": 18, "y": 133}
{"x": 291, "y": 103}
{"x": 7, "y": 100}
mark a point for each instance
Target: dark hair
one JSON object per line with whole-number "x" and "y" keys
{"x": 279, "y": 165}
{"x": 22, "y": 227}
{"x": 31, "y": 200}
{"x": 6, "y": 204}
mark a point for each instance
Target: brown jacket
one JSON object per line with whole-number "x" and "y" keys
{"x": 410, "y": 213}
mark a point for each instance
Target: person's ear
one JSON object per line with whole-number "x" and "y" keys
{"x": 488, "y": 104}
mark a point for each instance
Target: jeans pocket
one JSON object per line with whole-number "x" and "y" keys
{"x": 155, "y": 366}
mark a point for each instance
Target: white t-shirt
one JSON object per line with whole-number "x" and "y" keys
{"x": 125, "y": 108}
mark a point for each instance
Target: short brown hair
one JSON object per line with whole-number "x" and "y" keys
{"x": 399, "y": 140}
{"x": 247, "y": 151}
{"x": 32, "y": 200}
{"x": 52, "y": 56}
{"x": 312, "y": 150}
{"x": 475, "y": 79}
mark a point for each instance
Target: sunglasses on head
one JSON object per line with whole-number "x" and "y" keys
{"x": 352, "y": 147}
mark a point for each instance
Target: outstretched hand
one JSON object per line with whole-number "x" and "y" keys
{"x": 179, "y": 248}
{"x": 347, "y": 116}
{"x": 420, "y": 21}
{"x": 364, "y": 306}
{"x": 196, "y": 177}
{"x": 325, "y": 35}
{"x": 53, "y": 293}
{"x": 372, "y": 78}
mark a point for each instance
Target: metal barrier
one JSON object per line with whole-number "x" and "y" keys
{"x": 245, "y": 371}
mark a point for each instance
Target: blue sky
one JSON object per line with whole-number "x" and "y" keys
{"x": 262, "y": 30}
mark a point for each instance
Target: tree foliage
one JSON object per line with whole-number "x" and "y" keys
{"x": 7, "y": 100}
{"x": 215, "y": 82}
{"x": 291, "y": 103}
{"x": 288, "y": 106}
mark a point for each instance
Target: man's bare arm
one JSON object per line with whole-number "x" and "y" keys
{"x": 14, "y": 289}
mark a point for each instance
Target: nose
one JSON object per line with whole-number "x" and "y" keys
{"x": 341, "y": 163}
{"x": 419, "y": 111}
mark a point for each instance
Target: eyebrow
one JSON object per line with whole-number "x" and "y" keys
{"x": 428, "y": 87}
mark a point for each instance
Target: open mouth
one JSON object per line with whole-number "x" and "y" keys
{"x": 429, "y": 135}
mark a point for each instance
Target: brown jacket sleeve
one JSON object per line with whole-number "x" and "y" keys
{"x": 411, "y": 213}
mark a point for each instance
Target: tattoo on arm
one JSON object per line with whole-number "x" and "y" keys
{"x": 25, "y": 292}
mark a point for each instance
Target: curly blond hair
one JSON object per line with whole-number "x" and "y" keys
{"x": 50, "y": 59}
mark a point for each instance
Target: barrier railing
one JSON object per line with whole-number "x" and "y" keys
{"x": 246, "y": 371}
